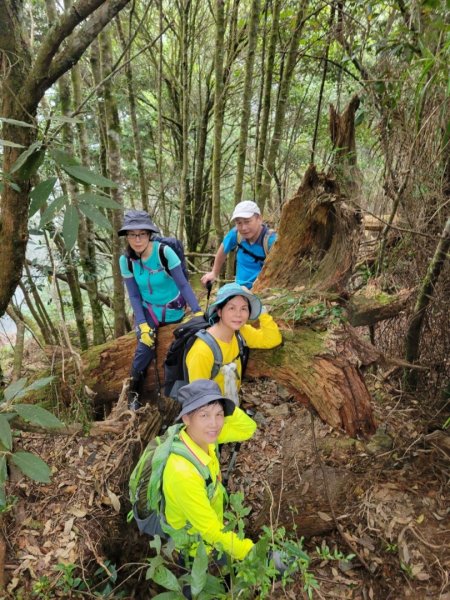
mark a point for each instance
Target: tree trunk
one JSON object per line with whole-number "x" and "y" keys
{"x": 281, "y": 107}
{"x": 423, "y": 300}
{"x": 266, "y": 100}
{"x": 218, "y": 114}
{"x": 318, "y": 239}
{"x": 26, "y": 81}
{"x": 86, "y": 235}
{"x": 185, "y": 7}
{"x": 246, "y": 100}
{"x": 114, "y": 136}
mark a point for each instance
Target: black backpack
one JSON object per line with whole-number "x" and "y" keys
{"x": 176, "y": 246}
{"x": 175, "y": 371}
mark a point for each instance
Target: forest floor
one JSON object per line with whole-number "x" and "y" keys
{"x": 393, "y": 515}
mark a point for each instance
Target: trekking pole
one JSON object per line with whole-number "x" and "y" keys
{"x": 208, "y": 289}
{"x": 237, "y": 447}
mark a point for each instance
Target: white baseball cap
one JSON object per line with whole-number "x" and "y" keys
{"x": 245, "y": 210}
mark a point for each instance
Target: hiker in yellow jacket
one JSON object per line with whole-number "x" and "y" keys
{"x": 209, "y": 419}
{"x": 233, "y": 307}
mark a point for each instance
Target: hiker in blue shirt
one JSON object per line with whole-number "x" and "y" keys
{"x": 252, "y": 241}
{"x": 157, "y": 287}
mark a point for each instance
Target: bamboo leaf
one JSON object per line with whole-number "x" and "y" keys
{"x": 14, "y": 388}
{"x": 32, "y": 466}
{"x": 40, "y": 194}
{"x": 84, "y": 175}
{"x": 40, "y": 383}
{"x": 95, "y": 215}
{"x": 10, "y": 144}
{"x": 70, "y": 227}
{"x": 37, "y": 416}
{"x": 52, "y": 209}
{"x": 22, "y": 159}
{"x": 15, "y": 122}
{"x": 5, "y": 433}
{"x": 97, "y": 200}
{"x": 63, "y": 159}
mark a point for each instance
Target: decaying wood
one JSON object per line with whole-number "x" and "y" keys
{"x": 369, "y": 306}
{"x": 318, "y": 239}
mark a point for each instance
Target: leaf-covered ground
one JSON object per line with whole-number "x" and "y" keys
{"x": 385, "y": 500}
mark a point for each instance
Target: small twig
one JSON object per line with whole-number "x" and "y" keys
{"x": 350, "y": 544}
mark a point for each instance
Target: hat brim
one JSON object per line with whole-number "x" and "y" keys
{"x": 255, "y": 304}
{"x": 229, "y": 405}
{"x": 144, "y": 226}
{"x": 243, "y": 215}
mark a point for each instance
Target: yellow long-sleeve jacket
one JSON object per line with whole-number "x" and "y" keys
{"x": 200, "y": 359}
{"x": 185, "y": 491}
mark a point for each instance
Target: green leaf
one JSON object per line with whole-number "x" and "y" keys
{"x": 32, "y": 466}
{"x": 199, "y": 570}
{"x": 84, "y": 175}
{"x": 65, "y": 119}
{"x": 14, "y": 388}
{"x": 40, "y": 194}
{"x": 166, "y": 579}
{"x": 10, "y": 144}
{"x": 3, "y": 478}
{"x": 32, "y": 165}
{"x": 5, "y": 433}
{"x": 40, "y": 383}
{"x": 97, "y": 200}
{"x": 52, "y": 209}
{"x": 70, "y": 227}
{"x": 169, "y": 596}
{"x": 20, "y": 162}
{"x": 14, "y": 122}
{"x": 95, "y": 215}
{"x": 63, "y": 159}
{"x": 37, "y": 415}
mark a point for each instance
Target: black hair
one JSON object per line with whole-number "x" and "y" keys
{"x": 225, "y": 302}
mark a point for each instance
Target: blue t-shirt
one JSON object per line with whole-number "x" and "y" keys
{"x": 247, "y": 267}
{"x": 157, "y": 289}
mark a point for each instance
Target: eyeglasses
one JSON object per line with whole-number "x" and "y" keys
{"x": 137, "y": 236}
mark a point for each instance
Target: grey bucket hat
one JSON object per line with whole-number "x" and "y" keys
{"x": 199, "y": 393}
{"x": 228, "y": 291}
{"x": 137, "y": 219}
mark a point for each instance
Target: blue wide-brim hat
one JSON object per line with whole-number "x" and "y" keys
{"x": 137, "y": 219}
{"x": 229, "y": 290}
{"x": 200, "y": 393}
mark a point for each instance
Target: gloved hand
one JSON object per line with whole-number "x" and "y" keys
{"x": 146, "y": 335}
{"x": 199, "y": 313}
{"x": 280, "y": 561}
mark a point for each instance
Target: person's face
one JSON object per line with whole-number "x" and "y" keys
{"x": 205, "y": 424}
{"x": 138, "y": 239}
{"x": 249, "y": 228}
{"x": 235, "y": 313}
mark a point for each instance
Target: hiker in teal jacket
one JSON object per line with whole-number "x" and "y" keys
{"x": 158, "y": 294}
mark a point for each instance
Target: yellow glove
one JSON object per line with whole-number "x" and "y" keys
{"x": 147, "y": 335}
{"x": 199, "y": 313}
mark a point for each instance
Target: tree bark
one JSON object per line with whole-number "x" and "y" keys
{"x": 25, "y": 84}
{"x": 114, "y": 135}
{"x": 280, "y": 111}
{"x": 423, "y": 300}
{"x": 318, "y": 239}
{"x": 246, "y": 100}
{"x": 218, "y": 114}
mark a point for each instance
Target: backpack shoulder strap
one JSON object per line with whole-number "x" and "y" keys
{"x": 129, "y": 263}
{"x": 181, "y": 449}
{"x": 211, "y": 342}
{"x": 162, "y": 258}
